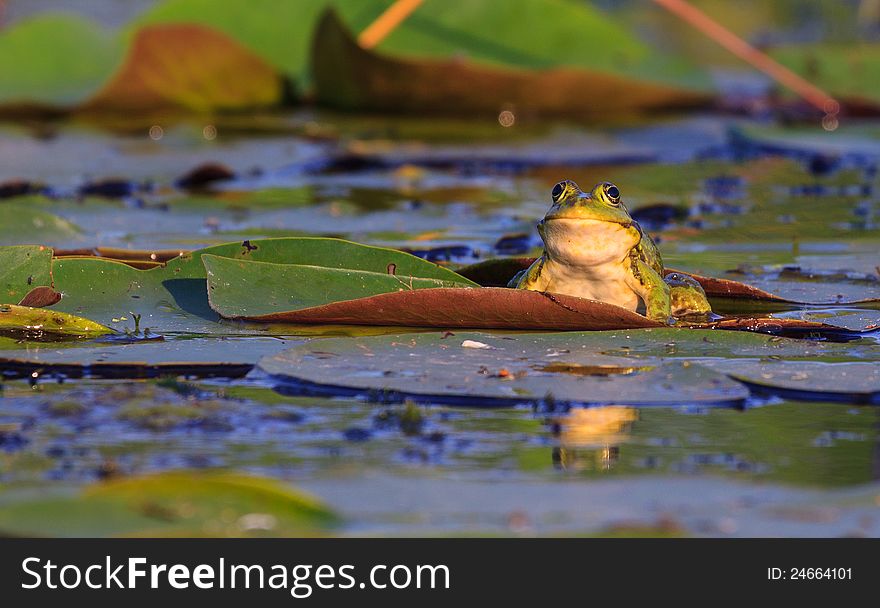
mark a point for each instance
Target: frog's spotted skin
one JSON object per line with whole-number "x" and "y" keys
{"x": 594, "y": 249}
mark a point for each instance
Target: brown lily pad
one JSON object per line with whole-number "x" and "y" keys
{"x": 40, "y": 297}
{"x": 461, "y": 307}
{"x": 501, "y": 308}
{"x": 191, "y": 67}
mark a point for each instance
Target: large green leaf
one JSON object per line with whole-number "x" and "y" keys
{"x": 22, "y": 224}
{"x": 170, "y": 504}
{"x": 239, "y": 288}
{"x": 849, "y": 71}
{"x": 56, "y": 59}
{"x": 174, "y": 297}
{"x": 21, "y": 269}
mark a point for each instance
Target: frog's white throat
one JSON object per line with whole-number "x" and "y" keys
{"x": 583, "y": 244}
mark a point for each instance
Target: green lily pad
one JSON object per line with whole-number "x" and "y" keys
{"x": 39, "y": 323}
{"x": 486, "y": 370}
{"x": 21, "y": 269}
{"x": 238, "y": 288}
{"x": 54, "y": 59}
{"x": 174, "y": 297}
{"x": 849, "y": 71}
{"x": 170, "y": 504}
{"x": 23, "y": 224}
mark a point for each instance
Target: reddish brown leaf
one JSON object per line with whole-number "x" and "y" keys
{"x": 40, "y": 297}
{"x": 500, "y": 308}
{"x": 488, "y": 308}
{"x": 725, "y": 288}
{"x": 188, "y": 66}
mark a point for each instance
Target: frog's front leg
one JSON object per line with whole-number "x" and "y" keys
{"x": 530, "y": 278}
{"x": 652, "y": 289}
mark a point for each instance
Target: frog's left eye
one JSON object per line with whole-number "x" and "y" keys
{"x": 558, "y": 189}
{"x": 613, "y": 193}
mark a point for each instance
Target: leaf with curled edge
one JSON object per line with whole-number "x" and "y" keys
{"x": 239, "y": 288}
{"x": 840, "y": 381}
{"x": 290, "y": 293}
{"x": 188, "y": 66}
{"x": 38, "y": 322}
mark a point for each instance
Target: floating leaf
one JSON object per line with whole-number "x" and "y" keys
{"x": 484, "y": 308}
{"x": 240, "y": 288}
{"x": 174, "y": 297}
{"x": 36, "y": 323}
{"x": 171, "y": 504}
{"x": 348, "y": 76}
{"x": 40, "y": 297}
{"x": 431, "y": 368}
{"x": 847, "y": 71}
{"x": 846, "y": 382}
{"x": 188, "y": 66}
{"x": 21, "y": 223}
{"x": 21, "y": 269}
{"x": 54, "y": 60}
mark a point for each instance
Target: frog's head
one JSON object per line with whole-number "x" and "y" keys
{"x": 602, "y": 204}
{"x": 586, "y": 229}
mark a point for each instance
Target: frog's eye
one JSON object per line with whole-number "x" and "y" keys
{"x": 558, "y": 189}
{"x": 613, "y": 193}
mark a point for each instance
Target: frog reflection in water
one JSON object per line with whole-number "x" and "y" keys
{"x": 594, "y": 249}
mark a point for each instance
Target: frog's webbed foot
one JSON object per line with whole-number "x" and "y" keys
{"x": 687, "y": 297}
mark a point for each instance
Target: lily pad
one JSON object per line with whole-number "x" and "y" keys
{"x": 847, "y": 382}
{"x": 170, "y": 504}
{"x": 23, "y": 224}
{"x": 232, "y": 285}
{"x": 348, "y": 76}
{"x": 55, "y": 59}
{"x": 848, "y": 71}
{"x": 39, "y": 323}
{"x": 174, "y": 297}
{"x": 23, "y": 268}
{"x": 436, "y": 369}
{"x": 450, "y": 307}
{"x": 191, "y": 67}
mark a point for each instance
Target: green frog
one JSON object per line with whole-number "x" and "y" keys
{"x": 593, "y": 249}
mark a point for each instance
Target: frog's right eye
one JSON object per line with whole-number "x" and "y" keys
{"x": 558, "y": 189}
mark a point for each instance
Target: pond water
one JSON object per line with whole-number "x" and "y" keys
{"x": 792, "y": 210}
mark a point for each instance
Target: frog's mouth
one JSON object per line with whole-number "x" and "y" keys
{"x": 586, "y": 221}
